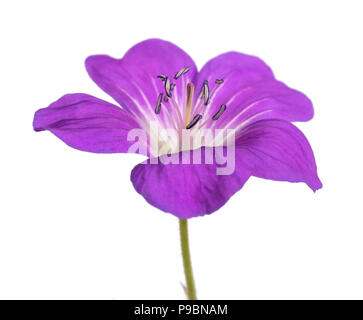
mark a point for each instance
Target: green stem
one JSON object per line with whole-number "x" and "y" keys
{"x": 183, "y": 224}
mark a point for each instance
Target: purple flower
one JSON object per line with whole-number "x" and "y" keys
{"x": 157, "y": 81}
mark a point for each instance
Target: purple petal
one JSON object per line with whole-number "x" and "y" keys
{"x": 222, "y": 66}
{"x": 277, "y": 150}
{"x": 188, "y": 190}
{"x": 270, "y": 149}
{"x": 250, "y": 92}
{"x": 132, "y": 81}
{"x": 87, "y": 123}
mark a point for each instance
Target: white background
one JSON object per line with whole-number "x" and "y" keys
{"x": 71, "y": 224}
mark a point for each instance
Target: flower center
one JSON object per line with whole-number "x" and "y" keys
{"x": 185, "y": 105}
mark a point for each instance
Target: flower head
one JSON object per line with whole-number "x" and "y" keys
{"x": 156, "y": 82}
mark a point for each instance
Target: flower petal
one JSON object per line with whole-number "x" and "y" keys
{"x": 132, "y": 81}
{"x": 188, "y": 190}
{"x": 222, "y": 66}
{"x": 277, "y": 150}
{"x": 270, "y": 149}
{"x": 87, "y": 123}
{"x": 250, "y": 92}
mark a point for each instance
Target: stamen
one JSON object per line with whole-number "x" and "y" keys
{"x": 181, "y": 72}
{"x": 206, "y": 92}
{"x": 188, "y": 109}
{"x": 220, "y": 111}
{"x": 172, "y": 86}
{"x": 161, "y": 77}
{"x": 166, "y": 98}
{"x": 219, "y": 81}
{"x": 201, "y": 93}
{"x": 158, "y": 103}
{"x": 167, "y": 87}
{"x": 194, "y": 121}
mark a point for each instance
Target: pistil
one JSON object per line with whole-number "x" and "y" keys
{"x": 188, "y": 110}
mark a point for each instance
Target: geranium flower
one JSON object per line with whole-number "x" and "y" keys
{"x": 157, "y": 82}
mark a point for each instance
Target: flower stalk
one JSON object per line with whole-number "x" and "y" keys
{"x": 183, "y": 225}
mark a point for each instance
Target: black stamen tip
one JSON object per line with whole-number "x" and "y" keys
{"x": 181, "y": 72}
{"x": 194, "y": 121}
{"x": 206, "y": 92}
{"x": 167, "y": 87}
{"x": 161, "y": 77}
{"x": 158, "y": 104}
{"x": 220, "y": 111}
